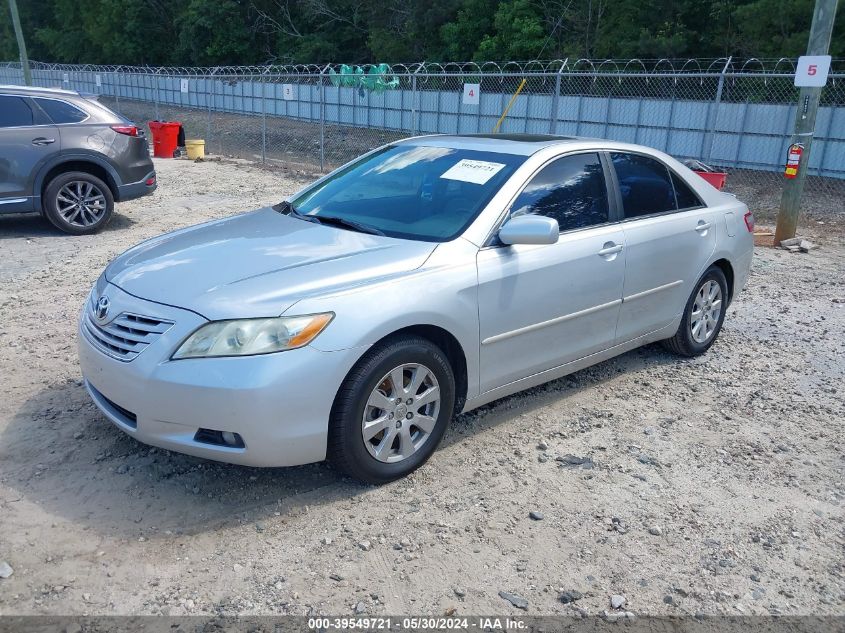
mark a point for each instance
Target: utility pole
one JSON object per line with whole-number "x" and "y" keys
{"x": 805, "y": 123}
{"x": 16, "y": 22}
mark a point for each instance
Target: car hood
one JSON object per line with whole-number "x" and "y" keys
{"x": 258, "y": 264}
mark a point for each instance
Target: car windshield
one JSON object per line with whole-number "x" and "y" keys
{"x": 414, "y": 192}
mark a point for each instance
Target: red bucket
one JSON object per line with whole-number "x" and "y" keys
{"x": 715, "y": 178}
{"x": 165, "y": 137}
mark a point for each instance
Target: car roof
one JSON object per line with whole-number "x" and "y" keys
{"x": 37, "y": 90}
{"x": 520, "y": 144}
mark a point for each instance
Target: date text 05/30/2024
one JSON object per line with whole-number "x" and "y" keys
{"x": 414, "y": 623}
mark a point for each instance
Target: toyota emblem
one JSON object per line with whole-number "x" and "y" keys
{"x": 102, "y": 308}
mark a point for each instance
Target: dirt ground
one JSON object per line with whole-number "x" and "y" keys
{"x": 713, "y": 485}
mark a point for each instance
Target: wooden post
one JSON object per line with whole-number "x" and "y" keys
{"x": 805, "y": 123}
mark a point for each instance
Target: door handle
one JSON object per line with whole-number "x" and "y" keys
{"x": 43, "y": 141}
{"x": 702, "y": 226}
{"x": 610, "y": 249}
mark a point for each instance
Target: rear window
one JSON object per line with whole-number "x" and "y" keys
{"x": 61, "y": 111}
{"x": 685, "y": 195}
{"x": 14, "y": 112}
{"x": 645, "y": 185}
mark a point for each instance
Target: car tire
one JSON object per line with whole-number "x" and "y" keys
{"x": 699, "y": 327}
{"x": 78, "y": 203}
{"x": 377, "y": 445}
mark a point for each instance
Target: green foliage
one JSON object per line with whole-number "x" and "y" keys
{"x": 220, "y": 32}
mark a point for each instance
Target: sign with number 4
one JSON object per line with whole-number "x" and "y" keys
{"x": 472, "y": 94}
{"x": 812, "y": 70}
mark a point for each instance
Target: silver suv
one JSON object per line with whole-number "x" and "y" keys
{"x": 69, "y": 157}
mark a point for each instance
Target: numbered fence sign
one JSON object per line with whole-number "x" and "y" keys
{"x": 472, "y": 94}
{"x": 288, "y": 92}
{"x": 811, "y": 71}
{"x": 66, "y": 78}
{"x": 183, "y": 85}
{"x": 98, "y": 81}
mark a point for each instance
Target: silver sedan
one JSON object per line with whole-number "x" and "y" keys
{"x": 426, "y": 278}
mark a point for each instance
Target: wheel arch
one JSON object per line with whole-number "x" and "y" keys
{"x": 450, "y": 346}
{"x": 86, "y": 164}
{"x": 727, "y": 269}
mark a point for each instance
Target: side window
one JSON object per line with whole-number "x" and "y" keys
{"x": 645, "y": 185}
{"x": 687, "y": 199}
{"x": 61, "y": 111}
{"x": 571, "y": 190}
{"x": 14, "y": 112}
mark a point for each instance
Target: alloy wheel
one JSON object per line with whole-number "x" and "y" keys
{"x": 81, "y": 203}
{"x": 706, "y": 310}
{"x": 401, "y": 413}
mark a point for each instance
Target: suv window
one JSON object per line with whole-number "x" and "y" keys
{"x": 645, "y": 185}
{"x": 571, "y": 190}
{"x": 61, "y": 111}
{"x": 686, "y": 197}
{"x": 14, "y": 112}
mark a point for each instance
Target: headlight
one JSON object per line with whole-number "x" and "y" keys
{"x": 245, "y": 337}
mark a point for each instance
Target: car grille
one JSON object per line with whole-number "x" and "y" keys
{"x": 125, "y": 336}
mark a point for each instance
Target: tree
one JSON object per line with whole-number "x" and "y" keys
{"x": 222, "y": 32}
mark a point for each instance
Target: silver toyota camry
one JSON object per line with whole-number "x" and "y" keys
{"x": 426, "y": 278}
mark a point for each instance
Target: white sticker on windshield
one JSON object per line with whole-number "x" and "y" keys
{"x": 475, "y": 171}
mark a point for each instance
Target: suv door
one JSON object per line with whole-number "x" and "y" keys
{"x": 27, "y": 141}
{"x": 667, "y": 245}
{"x": 543, "y": 306}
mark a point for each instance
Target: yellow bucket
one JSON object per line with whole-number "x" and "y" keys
{"x": 195, "y": 148}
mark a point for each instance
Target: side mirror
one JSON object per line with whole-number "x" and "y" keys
{"x": 530, "y": 229}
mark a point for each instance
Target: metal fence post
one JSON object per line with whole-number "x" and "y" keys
{"x": 556, "y": 99}
{"x": 208, "y": 96}
{"x": 414, "y": 111}
{"x": 263, "y": 118}
{"x": 116, "y": 86}
{"x": 155, "y": 93}
{"x": 711, "y": 128}
{"x": 322, "y": 89}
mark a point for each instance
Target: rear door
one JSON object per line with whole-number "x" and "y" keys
{"x": 669, "y": 238}
{"x": 27, "y": 140}
{"x": 541, "y": 306}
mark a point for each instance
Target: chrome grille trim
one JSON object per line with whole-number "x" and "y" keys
{"x": 125, "y": 336}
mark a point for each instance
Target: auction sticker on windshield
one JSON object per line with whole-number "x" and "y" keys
{"x": 475, "y": 171}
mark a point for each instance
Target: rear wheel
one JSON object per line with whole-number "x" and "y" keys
{"x": 77, "y": 202}
{"x": 392, "y": 410}
{"x": 703, "y": 315}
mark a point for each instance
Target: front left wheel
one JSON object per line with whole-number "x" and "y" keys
{"x": 392, "y": 410}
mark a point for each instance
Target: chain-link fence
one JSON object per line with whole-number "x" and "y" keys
{"x": 735, "y": 116}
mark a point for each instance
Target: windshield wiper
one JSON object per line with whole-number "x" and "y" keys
{"x": 349, "y": 224}
{"x": 286, "y": 208}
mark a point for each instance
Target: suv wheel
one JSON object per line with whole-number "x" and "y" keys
{"x": 392, "y": 410}
{"x": 77, "y": 202}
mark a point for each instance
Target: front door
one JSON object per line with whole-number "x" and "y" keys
{"x": 541, "y": 306}
{"x": 24, "y": 147}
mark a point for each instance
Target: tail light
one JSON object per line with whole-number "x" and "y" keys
{"x": 749, "y": 221}
{"x": 128, "y": 130}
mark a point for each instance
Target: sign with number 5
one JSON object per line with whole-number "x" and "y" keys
{"x": 811, "y": 71}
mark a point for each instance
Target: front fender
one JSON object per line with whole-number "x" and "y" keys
{"x": 444, "y": 294}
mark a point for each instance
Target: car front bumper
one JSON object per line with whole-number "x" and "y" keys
{"x": 278, "y": 403}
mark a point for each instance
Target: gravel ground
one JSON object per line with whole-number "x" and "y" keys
{"x": 712, "y": 485}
